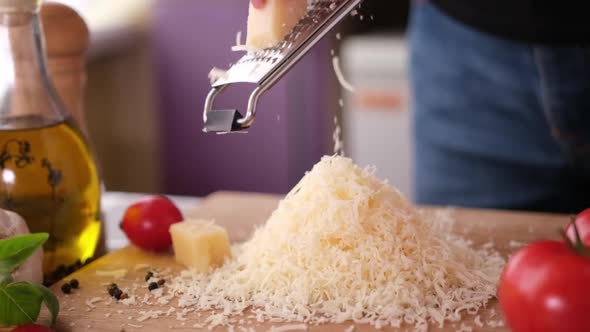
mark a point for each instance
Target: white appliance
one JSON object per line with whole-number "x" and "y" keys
{"x": 376, "y": 118}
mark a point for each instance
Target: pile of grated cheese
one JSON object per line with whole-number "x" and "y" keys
{"x": 341, "y": 246}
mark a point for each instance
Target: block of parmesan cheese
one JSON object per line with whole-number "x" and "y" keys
{"x": 200, "y": 245}
{"x": 269, "y": 25}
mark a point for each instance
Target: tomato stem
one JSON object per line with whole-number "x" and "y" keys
{"x": 577, "y": 245}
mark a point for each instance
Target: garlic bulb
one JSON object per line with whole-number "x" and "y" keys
{"x": 11, "y": 224}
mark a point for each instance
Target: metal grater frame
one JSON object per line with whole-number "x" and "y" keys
{"x": 266, "y": 67}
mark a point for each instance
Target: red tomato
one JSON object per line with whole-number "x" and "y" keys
{"x": 546, "y": 287}
{"x": 583, "y": 225}
{"x": 147, "y": 222}
{"x": 32, "y": 328}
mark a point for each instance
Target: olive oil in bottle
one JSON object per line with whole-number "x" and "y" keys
{"x": 49, "y": 177}
{"x": 47, "y": 172}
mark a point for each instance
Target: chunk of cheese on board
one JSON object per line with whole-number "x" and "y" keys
{"x": 269, "y": 25}
{"x": 200, "y": 244}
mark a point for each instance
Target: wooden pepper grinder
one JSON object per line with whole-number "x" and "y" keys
{"x": 66, "y": 41}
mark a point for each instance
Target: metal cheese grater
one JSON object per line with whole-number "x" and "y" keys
{"x": 265, "y": 67}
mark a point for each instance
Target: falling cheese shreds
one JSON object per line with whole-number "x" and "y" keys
{"x": 116, "y": 274}
{"x": 285, "y": 328}
{"x": 345, "y": 246}
{"x": 239, "y": 38}
{"x": 340, "y": 75}
{"x": 337, "y": 138}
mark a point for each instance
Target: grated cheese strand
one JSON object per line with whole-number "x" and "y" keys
{"x": 239, "y": 38}
{"x": 340, "y": 75}
{"x": 337, "y": 138}
{"x": 345, "y": 246}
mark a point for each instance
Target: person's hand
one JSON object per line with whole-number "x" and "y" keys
{"x": 258, "y": 3}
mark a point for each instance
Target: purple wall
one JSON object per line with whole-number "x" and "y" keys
{"x": 293, "y": 125}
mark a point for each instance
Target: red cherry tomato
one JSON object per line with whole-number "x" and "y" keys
{"x": 32, "y": 328}
{"x": 583, "y": 225}
{"x": 546, "y": 287}
{"x": 147, "y": 222}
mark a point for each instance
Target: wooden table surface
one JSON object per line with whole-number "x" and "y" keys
{"x": 239, "y": 213}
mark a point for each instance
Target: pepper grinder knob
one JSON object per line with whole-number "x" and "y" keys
{"x": 66, "y": 42}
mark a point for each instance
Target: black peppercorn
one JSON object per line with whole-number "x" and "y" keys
{"x": 118, "y": 294}
{"x": 74, "y": 283}
{"x": 112, "y": 289}
{"x": 149, "y": 275}
{"x": 152, "y": 286}
{"x": 66, "y": 288}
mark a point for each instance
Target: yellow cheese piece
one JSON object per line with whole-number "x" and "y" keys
{"x": 269, "y": 25}
{"x": 200, "y": 244}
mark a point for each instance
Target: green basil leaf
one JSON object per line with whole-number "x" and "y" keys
{"x": 20, "y": 303}
{"x": 14, "y": 251}
{"x": 50, "y": 301}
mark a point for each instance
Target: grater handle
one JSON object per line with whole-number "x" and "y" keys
{"x": 226, "y": 121}
{"x": 209, "y": 103}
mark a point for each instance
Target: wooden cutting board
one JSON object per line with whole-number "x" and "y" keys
{"x": 239, "y": 213}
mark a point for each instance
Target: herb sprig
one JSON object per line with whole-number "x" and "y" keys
{"x": 20, "y": 302}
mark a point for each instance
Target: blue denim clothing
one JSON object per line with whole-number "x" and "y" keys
{"x": 497, "y": 123}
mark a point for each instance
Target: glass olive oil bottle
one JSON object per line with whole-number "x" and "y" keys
{"x": 47, "y": 172}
